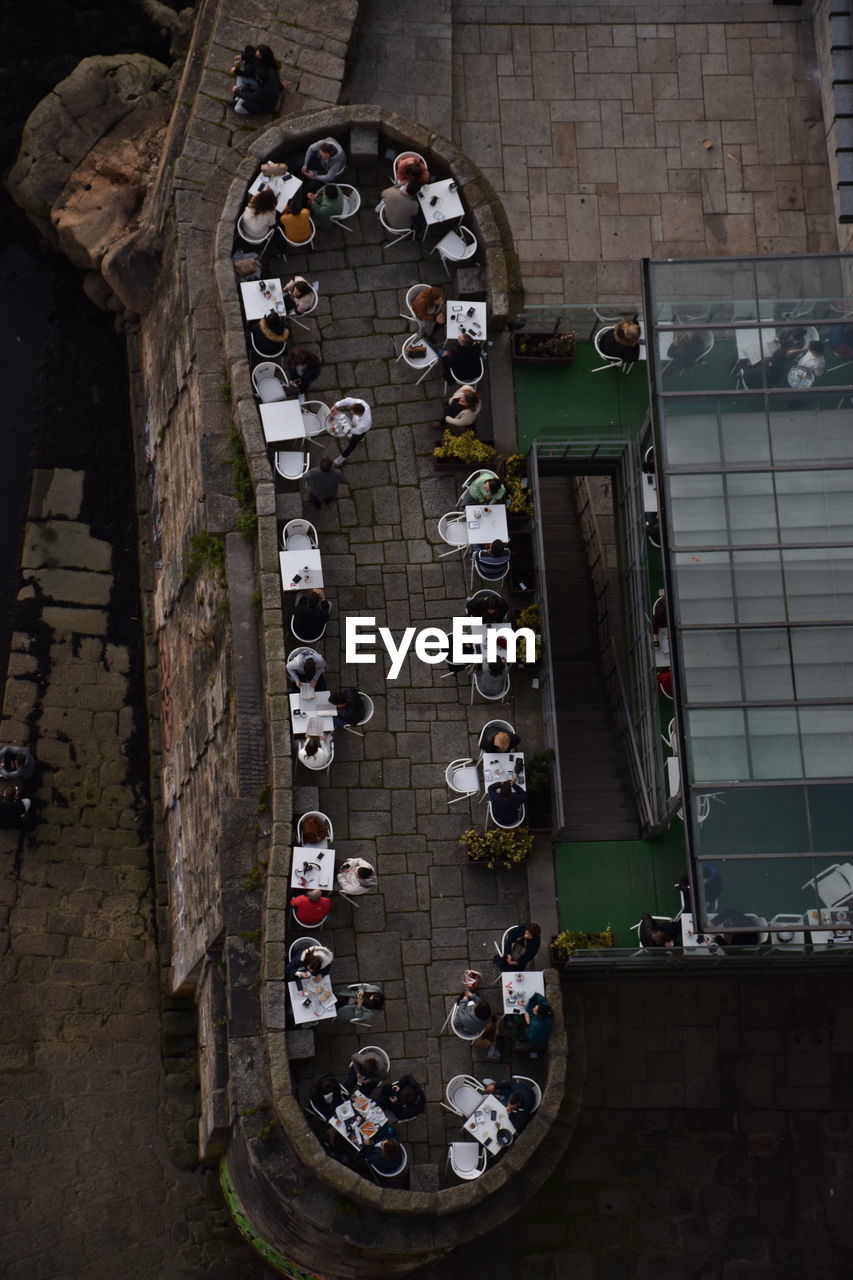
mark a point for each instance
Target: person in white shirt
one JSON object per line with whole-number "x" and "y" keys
{"x": 259, "y": 215}
{"x": 362, "y": 421}
{"x": 813, "y": 359}
{"x": 316, "y": 750}
{"x": 306, "y": 667}
{"x": 356, "y": 876}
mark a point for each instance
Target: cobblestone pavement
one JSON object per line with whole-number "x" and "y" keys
{"x": 617, "y": 135}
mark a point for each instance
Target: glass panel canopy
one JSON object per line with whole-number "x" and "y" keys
{"x": 751, "y": 366}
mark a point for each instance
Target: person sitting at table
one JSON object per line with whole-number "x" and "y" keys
{"x": 539, "y": 1020}
{"x": 383, "y": 1152}
{"x": 400, "y": 208}
{"x": 518, "y": 1098}
{"x": 313, "y": 962}
{"x": 506, "y": 800}
{"x": 659, "y": 933}
{"x": 404, "y": 1099}
{"x": 460, "y": 411}
{"x": 260, "y": 214}
{"x": 269, "y": 334}
{"x": 350, "y": 707}
{"x": 728, "y": 919}
{"x": 712, "y": 885}
{"x": 686, "y": 349}
{"x": 521, "y": 945}
{"x": 812, "y": 359}
{"x": 366, "y": 1073}
{"x": 327, "y": 203}
{"x": 621, "y": 342}
{"x": 841, "y": 340}
{"x": 487, "y": 605}
{"x": 315, "y": 750}
{"x": 501, "y": 740}
{"x": 306, "y": 667}
{"x": 260, "y": 96}
{"x": 295, "y": 219}
{"x": 461, "y": 360}
{"x": 359, "y": 1002}
{"x": 311, "y": 908}
{"x": 298, "y": 295}
{"x": 409, "y": 167}
{"x": 483, "y": 489}
{"x": 491, "y": 678}
{"x": 356, "y": 876}
{"x": 302, "y": 368}
{"x": 326, "y": 1095}
{"x": 472, "y": 1014}
{"x": 491, "y": 562}
{"x": 315, "y": 829}
{"x": 429, "y": 308}
{"x": 14, "y": 805}
{"x": 311, "y": 613}
{"x": 324, "y": 162}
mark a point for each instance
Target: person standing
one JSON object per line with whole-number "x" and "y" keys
{"x": 362, "y": 421}
{"x": 323, "y": 482}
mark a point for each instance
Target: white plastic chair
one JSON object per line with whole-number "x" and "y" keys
{"x": 302, "y": 924}
{"x": 399, "y": 233}
{"x": 309, "y": 761}
{"x": 314, "y": 415}
{"x": 266, "y": 354}
{"x": 297, "y": 947}
{"x": 304, "y": 639}
{"x": 613, "y": 362}
{"x": 534, "y": 1088}
{"x": 465, "y": 382}
{"x": 369, "y": 709}
{"x": 502, "y": 949}
{"x": 463, "y": 777}
{"x": 833, "y": 885}
{"x": 426, "y": 362}
{"x": 299, "y": 535}
{"x": 506, "y": 826}
{"x": 467, "y": 1160}
{"x": 457, "y": 246}
{"x": 481, "y": 471}
{"x": 373, "y": 1051}
{"x": 411, "y": 293}
{"x": 256, "y": 242}
{"x": 392, "y": 1173}
{"x": 464, "y": 1095}
{"x": 322, "y": 844}
{"x": 297, "y": 317}
{"x": 269, "y": 382}
{"x": 491, "y": 577}
{"x": 410, "y": 155}
{"x": 352, "y": 204}
{"x": 707, "y": 336}
{"x": 468, "y": 1036}
{"x": 292, "y": 465}
{"x": 494, "y": 726}
{"x": 453, "y": 529}
{"x": 299, "y": 244}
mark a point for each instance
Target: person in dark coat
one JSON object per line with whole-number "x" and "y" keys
{"x": 461, "y": 360}
{"x": 365, "y": 1074}
{"x": 521, "y": 945}
{"x": 659, "y": 933}
{"x": 269, "y": 334}
{"x": 518, "y": 1098}
{"x": 350, "y": 707}
{"x": 404, "y": 1099}
{"x": 310, "y": 615}
{"x": 506, "y": 800}
{"x": 259, "y": 98}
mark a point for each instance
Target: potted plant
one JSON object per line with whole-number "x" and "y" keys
{"x": 497, "y": 847}
{"x": 462, "y": 450}
{"x": 519, "y": 499}
{"x": 539, "y": 778}
{"x": 531, "y": 616}
{"x": 565, "y": 944}
{"x": 546, "y": 348}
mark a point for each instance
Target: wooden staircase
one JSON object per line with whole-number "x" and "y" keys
{"x": 598, "y": 799}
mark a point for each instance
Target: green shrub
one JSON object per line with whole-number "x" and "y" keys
{"x": 496, "y": 847}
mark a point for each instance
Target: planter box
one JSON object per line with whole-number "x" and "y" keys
{"x": 531, "y": 341}
{"x": 522, "y": 575}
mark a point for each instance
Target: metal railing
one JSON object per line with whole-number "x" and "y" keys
{"x": 547, "y": 693}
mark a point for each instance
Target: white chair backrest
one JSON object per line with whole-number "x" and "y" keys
{"x": 265, "y": 354}
{"x": 369, "y": 708}
{"x": 393, "y": 1173}
{"x": 411, "y": 293}
{"x": 352, "y": 201}
{"x": 297, "y": 947}
{"x": 534, "y": 1088}
{"x": 464, "y": 1094}
{"x": 494, "y": 726}
{"x": 291, "y": 465}
{"x": 373, "y": 1051}
{"x": 297, "y": 529}
{"x": 410, "y": 155}
{"x": 316, "y": 813}
{"x": 481, "y": 471}
{"x": 302, "y": 924}
{"x": 250, "y": 239}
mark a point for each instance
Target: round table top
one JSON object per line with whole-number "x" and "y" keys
{"x": 800, "y": 378}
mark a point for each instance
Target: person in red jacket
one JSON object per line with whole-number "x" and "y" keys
{"x": 311, "y": 908}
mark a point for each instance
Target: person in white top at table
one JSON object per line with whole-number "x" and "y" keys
{"x": 356, "y": 876}
{"x": 259, "y": 215}
{"x": 306, "y": 668}
{"x": 315, "y": 749}
{"x": 362, "y": 420}
{"x": 813, "y": 359}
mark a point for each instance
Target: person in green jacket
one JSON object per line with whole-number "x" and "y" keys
{"x": 539, "y": 1017}
{"x": 327, "y": 203}
{"x": 482, "y": 490}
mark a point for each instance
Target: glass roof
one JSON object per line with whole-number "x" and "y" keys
{"x": 751, "y": 369}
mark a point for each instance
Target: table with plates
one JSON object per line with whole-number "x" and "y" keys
{"x": 518, "y": 988}
{"x": 258, "y": 302}
{"x": 285, "y": 187}
{"x": 485, "y": 525}
{"x": 282, "y": 420}
{"x": 312, "y": 999}
{"x": 338, "y": 423}
{"x": 358, "y": 1118}
{"x": 440, "y": 202}
{"x": 312, "y": 868}
{"x": 302, "y": 709}
{"x": 692, "y": 939}
{"x": 502, "y": 766}
{"x": 304, "y": 565}
{"x": 830, "y": 926}
{"x": 466, "y": 317}
{"x": 485, "y": 1129}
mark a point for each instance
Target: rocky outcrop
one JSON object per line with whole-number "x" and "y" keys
{"x": 65, "y": 125}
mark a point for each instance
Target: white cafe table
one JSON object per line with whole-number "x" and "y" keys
{"x": 476, "y": 645}
{"x": 499, "y": 766}
{"x": 306, "y": 564}
{"x": 447, "y": 207}
{"x": 518, "y": 988}
{"x": 486, "y": 525}
{"x": 302, "y": 708}
{"x": 321, "y": 1001}
{"x": 484, "y": 1128}
{"x": 352, "y": 1115}
{"x": 830, "y": 926}
{"x": 284, "y": 188}
{"x": 282, "y": 420}
{"x": 470, "y": 316}
{"x": 256, "y": 304}
{"x": 690, "y": 937}
{"x": 312, "y": 868}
